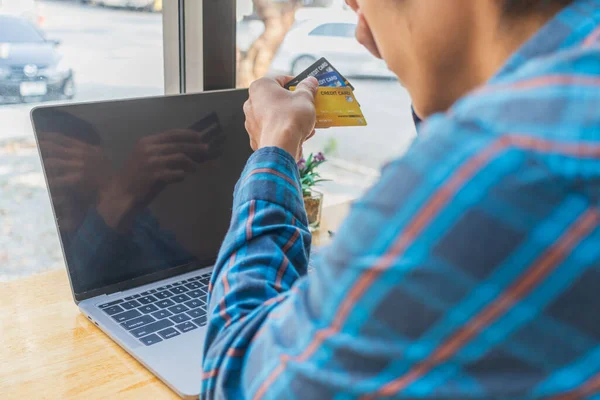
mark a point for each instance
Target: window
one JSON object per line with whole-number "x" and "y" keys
{"x": 335, "y": 30}
{"x": 60, "y": 51}
{"x": 76, "y": 50}
{"x": 293, "y": 35}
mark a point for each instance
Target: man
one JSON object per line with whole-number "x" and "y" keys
{"x": 471, "y": 270}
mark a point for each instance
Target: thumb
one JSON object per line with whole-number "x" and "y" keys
{"x": 308, "y": 86}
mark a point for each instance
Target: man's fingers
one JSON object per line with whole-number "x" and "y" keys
{"x": 283, "y": 79}
{"x": 308, "y": 86}
{"x": 247, "y": 108}
{"x": 56, "y": 166}
{"x": 71, "y": 180}
{"x": 263, "y": 84}
{"x": 179, "y": 162}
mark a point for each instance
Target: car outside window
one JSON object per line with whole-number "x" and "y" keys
{"x": 335, "y": 30}
{"x": 91, "y": 53}
{"x": 14, "y": 30}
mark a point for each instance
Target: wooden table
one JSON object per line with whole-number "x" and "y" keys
{"x": 48, "y": 350}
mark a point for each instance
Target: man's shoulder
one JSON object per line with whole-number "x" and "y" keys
{"x": 543, "y": 97}
{"x": 544, "y": 114}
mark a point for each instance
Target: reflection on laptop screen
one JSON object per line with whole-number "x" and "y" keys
{"x": 142, "y": 186}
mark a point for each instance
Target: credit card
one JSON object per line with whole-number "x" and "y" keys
{"x": 331, "y": 79}
{"x": 209, "y": 127}
{"x": 323, "y": 71}
{"x": 211, "y": 134}
{"x": 337, "y": 107}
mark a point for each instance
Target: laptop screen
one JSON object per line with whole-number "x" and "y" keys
{"x": 142, "y": 189}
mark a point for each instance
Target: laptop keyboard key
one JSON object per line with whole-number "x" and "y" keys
{"x": 179, "y": 318}
{"x": 130, "y": 305}
{"x": 148, "y": 309}
{"x": 200, "y": 321}
{"x": 151, "y": 328}
{"x": 169, "y": 333}
{"x": 147, "y": 299}
{"x": 112, "y": 303}
{"x": 194, "y": 303}
{"x": 179, "y": 289}
{"x": 150, "y": 340}
{"x": 186, "y": 327}
{"x": 165, "y": 303}
{"x": 137, "y": 322}
{"x": 127, "y": 315}
{"x": 178, "y": 309}
{"x": 128, "y": 298}
{"x": 195, "y": 293}
{"x": 198, "y": 312}
{"x": 181, "y": 298}
{"x": 161, "y": 314}
{"x": 113, "y": 310}
{"x": 163, "y": 295}
{"x": 192, "y": 285}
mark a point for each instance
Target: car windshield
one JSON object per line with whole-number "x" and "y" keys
{"x": 15, "y": 30}
{"x": 335, "y": 29}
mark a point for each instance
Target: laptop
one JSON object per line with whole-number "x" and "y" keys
{"x": 141, "y": 191}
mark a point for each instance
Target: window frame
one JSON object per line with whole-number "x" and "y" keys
{"x": 193, "y": 60}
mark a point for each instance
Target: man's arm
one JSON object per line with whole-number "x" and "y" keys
{"x": 401, "y": 280}
{"x": 93, "y": 248}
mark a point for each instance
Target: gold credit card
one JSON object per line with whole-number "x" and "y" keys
{"x": 337, "y": 107}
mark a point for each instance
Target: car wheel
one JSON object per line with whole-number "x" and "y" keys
{"x": 68, "y": 90}
{"x": 301, "y": 64}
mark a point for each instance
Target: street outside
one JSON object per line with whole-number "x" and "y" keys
{"x": 118, "y": 54}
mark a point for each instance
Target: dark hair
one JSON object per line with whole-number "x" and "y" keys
{"x": 523, "y": 7}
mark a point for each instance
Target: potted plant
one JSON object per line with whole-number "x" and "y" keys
{"x": 309, "y": 177}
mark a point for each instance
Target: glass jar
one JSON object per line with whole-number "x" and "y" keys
{"x": 313, "y": 203}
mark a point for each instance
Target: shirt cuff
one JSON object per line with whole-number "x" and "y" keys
{"x": 272, "y": 175}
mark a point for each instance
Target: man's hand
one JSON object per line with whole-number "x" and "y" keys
{"x": 156, "y": 162}
{"x": 363, "y": 31}
{"x": 73, "y": 165}
{"x": 280, "y": 118}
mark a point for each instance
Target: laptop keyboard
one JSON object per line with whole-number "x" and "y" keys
{"x": 162, "y": 313}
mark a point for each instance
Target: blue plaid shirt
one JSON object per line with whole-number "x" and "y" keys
{"x": 470, "y": 271}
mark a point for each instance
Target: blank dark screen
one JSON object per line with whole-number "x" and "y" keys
{"x": 142, "y": 186}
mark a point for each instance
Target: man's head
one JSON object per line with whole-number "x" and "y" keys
{"x": 442, "y": 49}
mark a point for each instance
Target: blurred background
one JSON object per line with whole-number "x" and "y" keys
{"x": 87, "y": 50}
